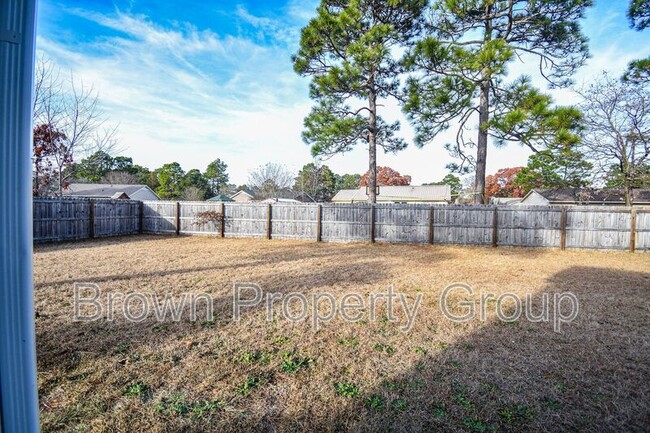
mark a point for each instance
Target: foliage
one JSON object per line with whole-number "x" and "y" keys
{"x": 386, "y": 176}
{"x": 501, "y": 184}
{"x": 170, "y": 179}
{"x": 453, "y": 181}
{"x": 51, "y": 155}
{"x": 348, "y": 181}
{"x": 638, "y": 14}
{"x": 195, "y": 181}
{"x": 210, "y": 216}
{"x": 555, "y": 167}
{"x": 615, "y": 179}
{"x": 94, "y": 167}
{"x": 349, "y": 51}
{"x": 216, "y": 176}
{"x": 316, "y": 180}
{"x": 617, "y": 122}
{"x": 347, "y": 389}
{"x": 462, "y": 65}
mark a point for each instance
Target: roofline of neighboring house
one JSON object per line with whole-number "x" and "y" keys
{"x": 581, "y": 201}
{"x": 138, "y": 190}
{"x": 242, "y": 191}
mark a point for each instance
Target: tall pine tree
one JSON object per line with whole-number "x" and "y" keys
{"x": 349, "y": 50}
{"x": 462, "y": 68}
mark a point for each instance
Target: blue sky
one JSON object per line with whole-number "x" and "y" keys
{"x": 195, "y": 81}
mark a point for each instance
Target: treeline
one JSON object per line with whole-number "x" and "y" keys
{"x": 171, "y": 181}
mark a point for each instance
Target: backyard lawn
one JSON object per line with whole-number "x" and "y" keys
{"x": 366, "y": 375}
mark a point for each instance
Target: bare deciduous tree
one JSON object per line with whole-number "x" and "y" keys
{"x": 270, "y": 180}
{"x": 617, "y": 121}
{"x": 192, "y": 193}
{"x": 70, "y": 109}
{"x": 119, "y": 178}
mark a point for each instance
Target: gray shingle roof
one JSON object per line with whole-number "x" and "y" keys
{"x": 100, "y": 190}
{"x": 408, "y": 193}
{"x": 582, "y": 195}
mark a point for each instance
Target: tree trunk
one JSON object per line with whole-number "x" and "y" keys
{"x": 372, "y": 145}
{"x": 60, "y": 181}
{"x": 481, "y": 144}
{"x": 627, "y": 185}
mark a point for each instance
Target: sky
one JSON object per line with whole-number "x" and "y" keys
{"x": 194, "y": 81}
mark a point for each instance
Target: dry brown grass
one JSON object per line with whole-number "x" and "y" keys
{"x": 595, "y": 375}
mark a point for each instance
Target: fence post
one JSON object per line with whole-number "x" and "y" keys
{"x": 268, "y": 221}
{"x": 431, "y": 221}
{"x": 563, "y": 219}
{"x": 632, "y": 230}
{"x": 140, "y": 216}
{"x": 91, "y": 219}
{"x": 319, "y": 223}
{"x": 178, "y": 218}
{"x": 222, "y": 229}
{"x": 495, "y": 227}
{"x": 372, "y": 223}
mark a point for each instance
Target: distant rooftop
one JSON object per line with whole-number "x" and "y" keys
{"x": 407, "y": 193}
{"x": 100, "y": 189}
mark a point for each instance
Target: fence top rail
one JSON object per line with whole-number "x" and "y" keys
{"x": 81, "y": 200}
{"x": 441, "y": 206}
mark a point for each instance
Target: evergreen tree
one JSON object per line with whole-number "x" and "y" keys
{"x": 349, "y": 51}
{"x": 462, "y": 67}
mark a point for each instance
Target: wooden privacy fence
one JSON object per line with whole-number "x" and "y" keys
{"x": 71, "y": 219}
{"x": 532, "y": 226}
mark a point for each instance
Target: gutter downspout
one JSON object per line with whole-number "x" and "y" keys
{"x": 18, "y": 389}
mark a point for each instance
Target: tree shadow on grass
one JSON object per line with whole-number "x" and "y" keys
{"x": 521, "y": 376}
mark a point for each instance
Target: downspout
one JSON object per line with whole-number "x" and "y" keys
{"x": 18, "y": 389}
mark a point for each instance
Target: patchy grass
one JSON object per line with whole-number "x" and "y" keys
{"x": 366, "y": 375}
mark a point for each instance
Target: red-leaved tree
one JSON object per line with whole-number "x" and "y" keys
{"x": 386, "y": 176}
{"x": 51, "y": 156}
{"x": 501, "y": 184}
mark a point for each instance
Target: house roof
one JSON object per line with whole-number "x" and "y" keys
{"x": 589, "y": 195}
{"x": 220, "y": 197}
{"x": 101, "y": 190}
{"x": 241, "y": 192}
{"x": 279, "y": 200}
{"x": 423, "y": 193}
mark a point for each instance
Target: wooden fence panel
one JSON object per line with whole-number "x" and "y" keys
{"x": 193, "y": 224}
{"x": 598, "y": 228}
{"x": 245, "y": 220}
{"x": 402, "y": 223}
{"x": 463, "y": 225}
{"x": 159, "y": 217}
{"x": 116, "y": 217}
{"x": 60, "y": 219}
{"x": 343, "y": 222}
{"x": 293, "y": 221}
{"x": 529, "y": 226}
